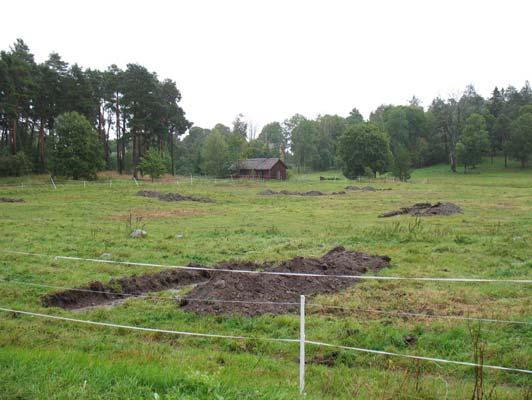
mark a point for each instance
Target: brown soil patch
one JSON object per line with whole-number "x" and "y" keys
{"x": 278, "y": 288}
{"x": 147, "y": 214}
{"x": 364, "y": 188}
{"x": 122, "y": 288}
{"x": 269, "y": 192}
{"x": 11, "y": 200}
{"x": 426, "y": 210}
{"x": 231, "y": 287}
{"x": 173, "y": 196}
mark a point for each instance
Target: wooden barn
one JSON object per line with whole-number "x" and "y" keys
{"x": 261, "y": 168}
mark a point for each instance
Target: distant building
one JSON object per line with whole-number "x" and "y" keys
{"x": 261, "y": 168}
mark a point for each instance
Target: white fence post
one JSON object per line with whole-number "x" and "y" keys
{"x": 84, "y": 184}
{"x": 53, "y": 183}
{"x": 302, "y": 345}
{"x": 191, "y": 179}
{"x": 110, "y": 182}
{"x": 136, "y": 182}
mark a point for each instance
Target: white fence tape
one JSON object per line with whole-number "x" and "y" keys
{"x": 139, "y": 328}
{"x": 280, "y": 303}
{"x": 439, "y": 360}
{"x": 278, "y": 273}
{"x": 237, "y": 337}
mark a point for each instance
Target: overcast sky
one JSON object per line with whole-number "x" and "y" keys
{"x": 271, "y": 59}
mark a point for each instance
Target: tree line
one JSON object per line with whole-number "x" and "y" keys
{"x": 127, "y": 112}
{"x": 396, "y": 138}
{"x": 68, "y": 120}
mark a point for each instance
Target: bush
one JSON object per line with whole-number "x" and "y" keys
{"x": 15, "y": 165}
{"x": 76, "y": 151}
{"x": 365, "y": 150}
{"x": 153, "y": 164}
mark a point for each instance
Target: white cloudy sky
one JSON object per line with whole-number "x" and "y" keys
{"x": 270, "y": 59}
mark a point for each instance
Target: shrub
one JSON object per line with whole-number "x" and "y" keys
{"x": 15, "y": 165}
{"x": 153, "y": 164}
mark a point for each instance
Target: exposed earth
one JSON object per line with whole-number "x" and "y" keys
{"x": 10, "y": 200}
{"x": 426, "y": 210}
{"x": 269, "y": 192}
{"x": 173, "y": 196}
{"x": 364, "y": 188}
{"x": 253, "y": 290}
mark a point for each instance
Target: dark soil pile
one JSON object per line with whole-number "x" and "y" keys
{"x": 277, "y": 288}
{"x": 172, "y": 196}
{"x": 232, "y": 288}
{"x": 122, "y": 288}
{"x": 10, "y": 200}
{"x": 364, "y": 188}
{"x": 269, "y": 192}
{"x": 426, "y": 210}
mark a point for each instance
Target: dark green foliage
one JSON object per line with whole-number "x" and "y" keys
{"x": 153, "y": 164}
{"x": 15, "y": 165}
{"x": 273, "y": 138}
{"x": 473, "y": 142}
{"x": 519, "y": 146}
{"x": 354, "y": 117}
{"x": 134, "y": 106}
{"x": 215, "y": 155}
{"x": 76, "y": 150}
{"x": 362, "y": 147}
{"x": 402, "y": 164}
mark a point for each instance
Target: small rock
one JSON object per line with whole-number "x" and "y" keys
{"x": 138, "y": 233}
{"x": 105, "y": 255}
{"x": 179, "y": 236}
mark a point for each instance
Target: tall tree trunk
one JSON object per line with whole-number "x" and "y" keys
{"x": 14, "y": 136}
{"x": 123, "y": 144}
{"x": 135, "y": 152}
{"x": 119, "y": 165}
{"x": 452, "y": 159}
{"x": 41, "y": 146}
{"x": 103, "y": 136}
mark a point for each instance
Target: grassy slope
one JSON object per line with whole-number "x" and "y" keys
{"x": 47, "y": 359}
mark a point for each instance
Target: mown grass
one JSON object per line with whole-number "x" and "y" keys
{"x": 58, "y": 360}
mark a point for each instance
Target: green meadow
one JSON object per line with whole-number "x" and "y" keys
{"x": 50, "y": 359}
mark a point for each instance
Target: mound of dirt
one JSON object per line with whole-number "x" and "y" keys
{"x": 426, "y": 210}
{"x": 364, "y": 188}
{"x": 172, "y": 196}
{"x": 232, "y": 287}
{"x": 115, "y": 289}
{"x": 278, "y": 288}
{"x": 11, "y": 200}
{"x": 269, "y": 192}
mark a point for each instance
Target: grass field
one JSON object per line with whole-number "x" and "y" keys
{"x": 59, "y": 360}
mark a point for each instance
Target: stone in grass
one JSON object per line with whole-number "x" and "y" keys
{"x": 138, "y": 233}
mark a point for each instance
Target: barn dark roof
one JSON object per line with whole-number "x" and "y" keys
{"x": 258, "y": 163}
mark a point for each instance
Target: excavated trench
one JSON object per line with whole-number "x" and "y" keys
{"x": 236, "y": 293}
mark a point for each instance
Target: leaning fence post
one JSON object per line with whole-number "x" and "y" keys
{"x": 136, "y": 182}
{"x": 53, "y": 183}
{"x": 302, "y": 345}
